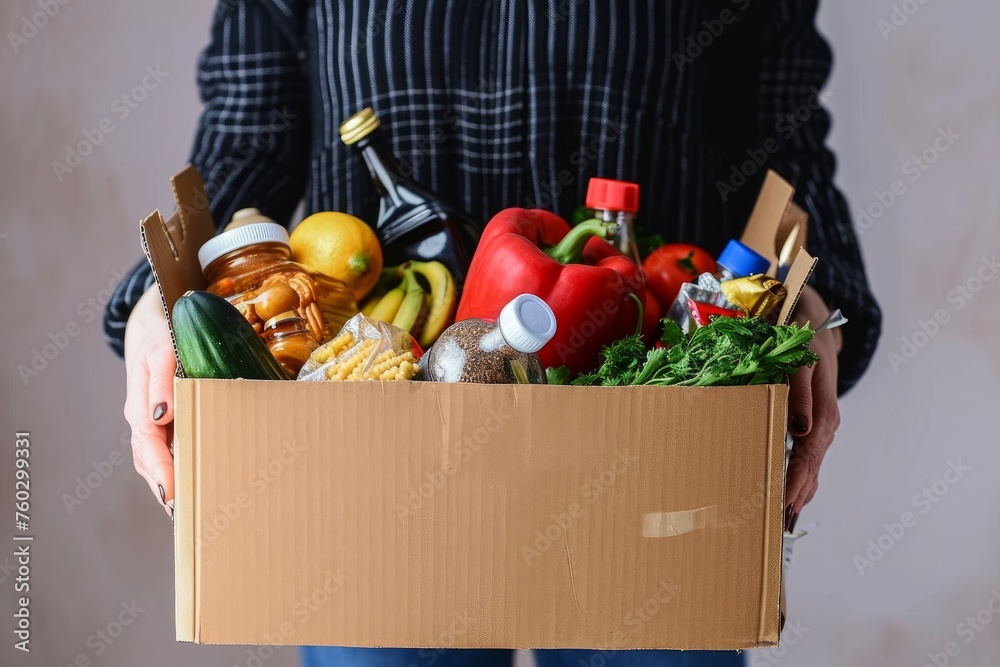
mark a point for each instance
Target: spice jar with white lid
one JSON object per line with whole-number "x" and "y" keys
{"x": 501, "y": 352}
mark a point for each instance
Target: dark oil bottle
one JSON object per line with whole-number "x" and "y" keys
{"x": 413, "y": 224}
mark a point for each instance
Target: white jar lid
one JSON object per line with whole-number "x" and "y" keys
{"x": 527, "y": 323}
{"x": 242, "y": 236}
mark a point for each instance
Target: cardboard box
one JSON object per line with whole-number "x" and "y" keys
{"x": 446, "y": 515}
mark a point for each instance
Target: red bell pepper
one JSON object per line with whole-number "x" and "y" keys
{"x": 584, "y": 279}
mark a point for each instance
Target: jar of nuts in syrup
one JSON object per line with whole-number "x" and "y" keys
{"x": 250, "y": 264}
{"x": 290, "y": 341}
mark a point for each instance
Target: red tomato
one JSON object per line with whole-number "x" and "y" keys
{"x": 651, "y": 316}
{"x": 670, "y": 266}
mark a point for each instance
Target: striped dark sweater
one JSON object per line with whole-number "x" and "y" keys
{"x": 497, "y": 103}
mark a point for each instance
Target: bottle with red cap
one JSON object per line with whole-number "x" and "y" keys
{"x": 618, "y": 202}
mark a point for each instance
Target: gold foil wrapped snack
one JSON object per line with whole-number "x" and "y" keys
{"x": 757, "y": 296}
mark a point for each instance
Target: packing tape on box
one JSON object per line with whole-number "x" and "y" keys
{"x": 671, "y": 524}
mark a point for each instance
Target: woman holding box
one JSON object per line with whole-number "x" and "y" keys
{"x": 503, "y": 103}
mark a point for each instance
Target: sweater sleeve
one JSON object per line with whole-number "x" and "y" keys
{"x": 252, "y": 141}
{"x": 795, "y": 65}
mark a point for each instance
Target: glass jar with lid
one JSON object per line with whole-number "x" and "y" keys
{"x": 290, "y": 341}
{"x": 250, "y": 265}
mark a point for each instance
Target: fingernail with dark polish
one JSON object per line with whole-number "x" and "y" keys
{"x": 788, "y": 514}
{"x": 163, "y": 495}
{"x": 795, "y": 518}
{"x": 159, "y": 411}
{"x": 799, "y": 424}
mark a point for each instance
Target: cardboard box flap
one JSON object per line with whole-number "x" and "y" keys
{"x": 761, "y": 231}
{"x": 776, "y": 224}
{"x": 798, "y": 275}
{"x": 171, "y": 246}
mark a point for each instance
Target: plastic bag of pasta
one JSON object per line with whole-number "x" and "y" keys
{"x": 365, "y": 349}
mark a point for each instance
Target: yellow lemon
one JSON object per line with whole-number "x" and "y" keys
{"x": 339, "y": 246}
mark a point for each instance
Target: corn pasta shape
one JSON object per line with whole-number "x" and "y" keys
{"x": 365, "y": 350}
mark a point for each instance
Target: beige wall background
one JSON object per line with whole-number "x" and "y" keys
{"x": 64, "y": 242}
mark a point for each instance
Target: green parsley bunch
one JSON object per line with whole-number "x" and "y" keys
{"x": 726, "y": 351}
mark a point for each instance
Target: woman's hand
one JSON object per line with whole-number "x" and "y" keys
{"x": 813, "y": 414}
{"x": 149, "y": 403}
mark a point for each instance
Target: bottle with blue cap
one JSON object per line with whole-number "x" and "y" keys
{"x": 738, "y": 260}
{"x": 501, "y": 352}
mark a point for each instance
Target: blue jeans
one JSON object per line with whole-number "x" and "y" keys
{"x": 323, "y": 656}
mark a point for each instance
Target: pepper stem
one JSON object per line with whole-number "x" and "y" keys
{"x": 570, "y": 249}
{"x": 642, "y": 312}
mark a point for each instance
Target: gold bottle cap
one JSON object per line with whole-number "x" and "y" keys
{"x": 359, "y": 126}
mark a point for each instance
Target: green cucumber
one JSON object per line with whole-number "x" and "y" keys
{"x": 215, "y": 341}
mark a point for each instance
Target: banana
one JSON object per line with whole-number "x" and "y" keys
{"x": 443, "y": 300}
{"x": 391, "y": 276}
{"x": 369, "y": 305}
{"x": 388, "y": 305}
{"x": 370, "y": 301}
{"x": 410, "y": 310}
{"x": 408, "y": 306}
